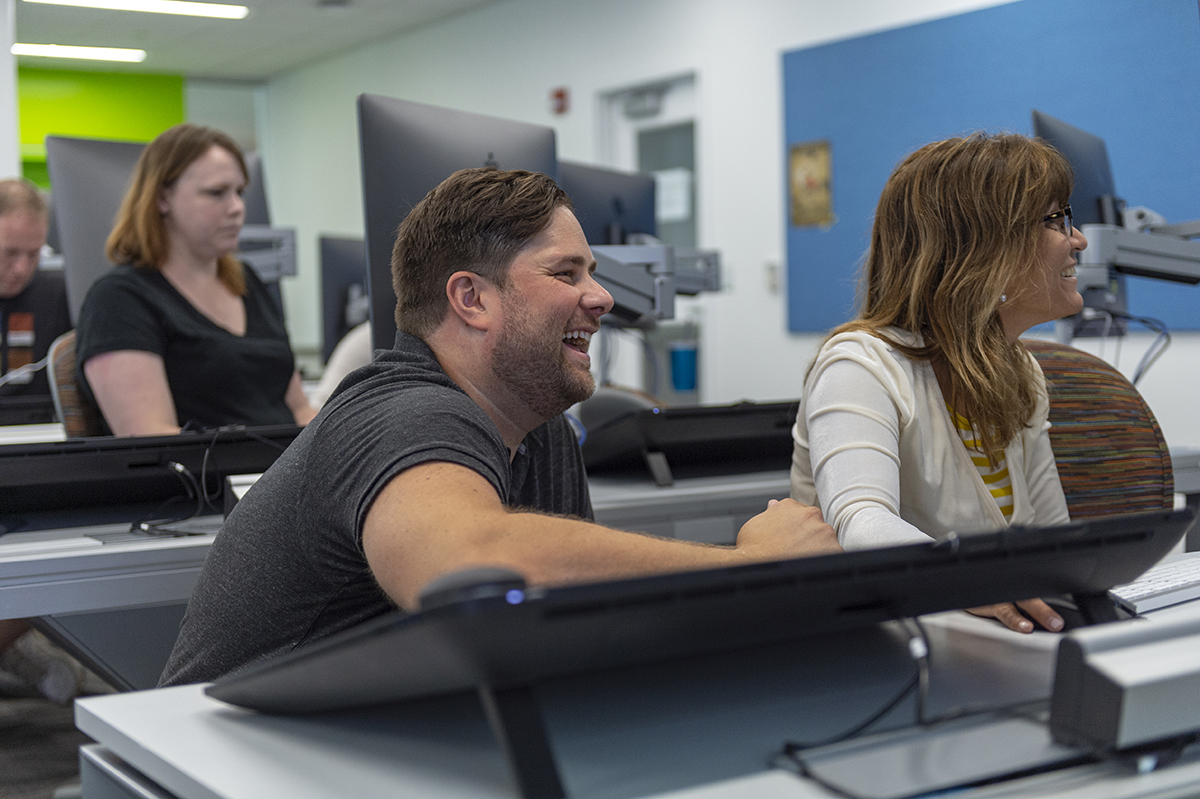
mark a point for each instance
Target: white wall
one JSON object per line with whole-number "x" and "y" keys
{"x": 10, "y": 140}
{"x": 505, "y": 58}
{"x": 228, "y": 106}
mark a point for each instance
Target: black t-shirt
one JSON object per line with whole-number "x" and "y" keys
{"x": 216, "y": 378}
{"x": 288, "y": 566}
{"x": 29, "y": 323}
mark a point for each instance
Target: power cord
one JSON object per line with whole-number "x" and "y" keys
{"x": 1153, "y": 352}
{"x": 156, "y": 526}
{"x": 918, "y": 649}
{"x": 21, "y": 371}
{"x": 790, "y": 754}
{"x": 211, "y": 501}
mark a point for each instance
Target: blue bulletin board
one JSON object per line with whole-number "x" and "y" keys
{"x": 1125, "y": 70}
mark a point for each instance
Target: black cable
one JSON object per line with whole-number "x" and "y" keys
{"x": 211, "y": 501}
{"x": 1156, "y": 348}
{"x": 151, "y": 524}
{"x": 790, "y": 749}
{"x": 204, "y": 468}
{"x": 919, "y": 649}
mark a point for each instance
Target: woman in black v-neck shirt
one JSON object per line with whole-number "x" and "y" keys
{"x": 181, "y": 333}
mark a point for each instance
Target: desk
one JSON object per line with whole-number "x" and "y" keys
{"x": 32, "y": 433}
{"x": 50, "y": 572}
{"x": 708, "y": 509}
{"x": 111, "y": 598}
{"x": 703, "y": 729}
{"x": 68, "y": 571}
{"x": 117, "y": 605}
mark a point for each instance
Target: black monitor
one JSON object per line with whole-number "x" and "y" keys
{"x": 692, "y": 441}
{"x": 126, "y": 476}
{"x": 1093, "y": 202}
{"x": 609, "y": 205}
{"x": 344, "y": 300}
{"x": 88, "y": 178}
{"x": 503, "y": 639}
{"x": 505, "y": 635}
{"x": 255, "y": 195}
{"x": 408, "y": 149}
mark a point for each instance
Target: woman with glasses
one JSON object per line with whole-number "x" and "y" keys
{"x": 925, "y": 414}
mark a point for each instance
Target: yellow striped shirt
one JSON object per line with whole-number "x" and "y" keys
{"x": 996, "y": 477}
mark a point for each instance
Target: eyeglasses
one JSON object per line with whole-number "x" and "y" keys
{"x": 1061, "y": 220}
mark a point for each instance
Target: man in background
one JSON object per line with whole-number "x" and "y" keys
{"x": 33, "y": 312}
{"x": 33, "y": 303}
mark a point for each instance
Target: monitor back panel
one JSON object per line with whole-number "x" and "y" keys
{"x": 509, "y": 639}
{"x": 408, "y": 149}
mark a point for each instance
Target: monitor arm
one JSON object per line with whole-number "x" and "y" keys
{"x": 643, "y": 279}
{"x": 1145, "y": 254}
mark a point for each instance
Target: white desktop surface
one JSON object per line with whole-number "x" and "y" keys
{"x": 32, "y": 433}
{"x": 67, "y": 571}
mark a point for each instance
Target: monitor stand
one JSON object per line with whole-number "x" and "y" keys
{"x": 516, "y": 721}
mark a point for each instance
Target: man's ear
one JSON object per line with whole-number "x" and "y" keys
{"x": 473, "y": 299}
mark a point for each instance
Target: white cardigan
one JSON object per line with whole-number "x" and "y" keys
{"x": 877, "y": 451}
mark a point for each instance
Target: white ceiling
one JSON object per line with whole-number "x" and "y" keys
{"x": 277, "y": 35}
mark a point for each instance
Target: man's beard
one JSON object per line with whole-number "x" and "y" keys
{"x": 530, "y": 360}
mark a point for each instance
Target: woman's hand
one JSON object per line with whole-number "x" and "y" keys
{"x": 1007, "y": 614}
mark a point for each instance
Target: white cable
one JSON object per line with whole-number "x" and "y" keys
{"x": 21, "y": 371}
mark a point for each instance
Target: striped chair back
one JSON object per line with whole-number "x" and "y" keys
{"x": 79, "y": 417}
{"x": 1111, "y": 455}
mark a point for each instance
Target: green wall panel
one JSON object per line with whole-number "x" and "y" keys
{"x": 94, "y": 105}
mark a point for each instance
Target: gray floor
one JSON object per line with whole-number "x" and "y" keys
{"x": 38, "y": 749}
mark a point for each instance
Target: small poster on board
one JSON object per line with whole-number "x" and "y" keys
{"x": 810, "y": 170}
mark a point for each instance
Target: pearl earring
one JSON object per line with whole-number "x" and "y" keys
{"x": 1003, "y": 298}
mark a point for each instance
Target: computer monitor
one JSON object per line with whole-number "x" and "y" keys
{"x": 1093, "y": 202}
{"x": 255, "y": 196}
{"x": 345, "y": 303}
{"x": 506, "y": 636}
{"x": 127, "y": 476}
{"x": 609, "y": 205}
{"x": 409, "y": 148}
{"x": 89, "y": 178}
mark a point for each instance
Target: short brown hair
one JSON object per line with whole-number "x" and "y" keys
{"x": 19, "y": 194}
{"x": 957, "y": 225}
{"x": 139, "y": 236}
{"x": 475, "y": 220}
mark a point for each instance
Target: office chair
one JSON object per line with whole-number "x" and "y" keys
{"x": 1108, "y": 447}
{"x": 76, "y": 414}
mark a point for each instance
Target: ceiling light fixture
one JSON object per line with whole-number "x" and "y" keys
{"x": 87, "y": 53}
{"x": 183, "y": 7}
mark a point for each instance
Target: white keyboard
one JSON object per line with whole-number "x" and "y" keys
{"x": 1169, "y": 583}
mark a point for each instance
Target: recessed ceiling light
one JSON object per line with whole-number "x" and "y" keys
{"x": 87, "y": 53}
{"x": 184, "y": 7}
